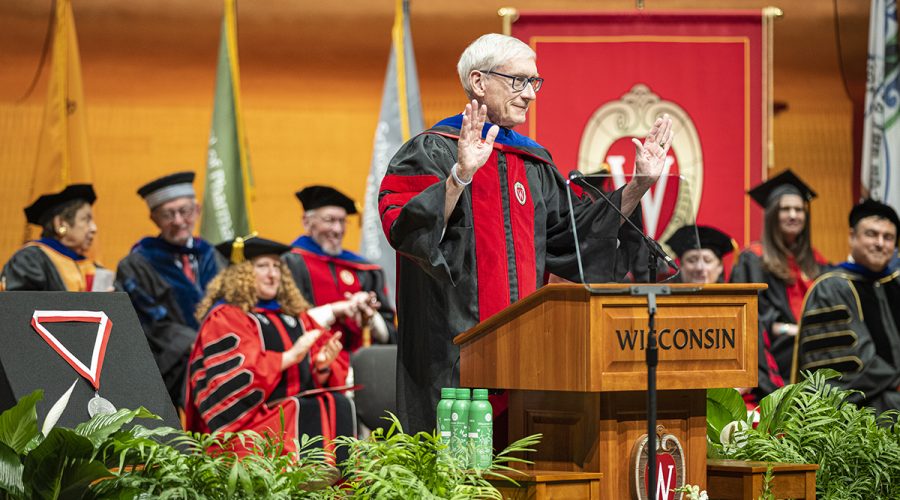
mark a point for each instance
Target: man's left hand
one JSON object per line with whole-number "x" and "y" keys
{"x": 650, "y": 156}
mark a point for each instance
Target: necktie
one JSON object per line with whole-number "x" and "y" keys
{"x": 187, "y": 268}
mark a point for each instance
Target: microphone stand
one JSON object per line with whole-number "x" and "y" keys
{"x": 652, "y": 351}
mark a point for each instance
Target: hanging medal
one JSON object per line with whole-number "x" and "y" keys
{"x": 97, "y": 405}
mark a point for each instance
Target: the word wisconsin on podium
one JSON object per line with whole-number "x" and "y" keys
{"x": 51, "y": 339}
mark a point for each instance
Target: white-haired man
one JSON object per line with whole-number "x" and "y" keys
{"x": 478, "y": 215}
{"x": 166, "y": 275}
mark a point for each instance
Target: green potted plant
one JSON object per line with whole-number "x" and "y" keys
{"x": 394, "y": 465}
{"x": 102, "y": 459}
{"x": 857, "y": 450}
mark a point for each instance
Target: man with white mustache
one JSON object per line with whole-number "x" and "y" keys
{"x": 166, "y": 275}
{"x": 326, "y": 272}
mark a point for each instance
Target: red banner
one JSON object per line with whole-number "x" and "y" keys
{"x": 609, "y": 75}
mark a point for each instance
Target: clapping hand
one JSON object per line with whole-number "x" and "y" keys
{"x": 329, "y": 352}
{"x": 300, "y": 348}
{"x": 359, "y": 306}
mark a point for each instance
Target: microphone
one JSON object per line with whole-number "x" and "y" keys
{"x": 577, "y": 177}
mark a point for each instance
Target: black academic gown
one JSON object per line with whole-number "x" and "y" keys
{"x": 509, "y": 228}
{"x": 45, "y": 265}
{"x": 324, "y": 278}
{"x": 165, "y": 300}
{"x": 850, "y": 323}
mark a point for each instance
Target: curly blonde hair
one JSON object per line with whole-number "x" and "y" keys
{"x": 236, "y": 285}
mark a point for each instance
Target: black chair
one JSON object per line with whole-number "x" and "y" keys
{"x": 375, "y": 368}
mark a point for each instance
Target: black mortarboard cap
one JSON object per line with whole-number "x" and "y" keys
{"x": 784, "y": 183}
{"x": 239, "y": 249}
{"x": 43, "y": 207}
{"x": 313, "y": 197}
{"x": 687, "y": 238}
{"x": 870, "y": 207}
{"x": 169, "y": 187}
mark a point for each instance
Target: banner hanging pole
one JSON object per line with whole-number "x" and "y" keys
{"x": 509, "y": 15}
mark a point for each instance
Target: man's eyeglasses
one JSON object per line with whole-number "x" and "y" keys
{"x": 185, "y": 212}
{"x": 330, "y": 220}
{"x": 519, "y": 82}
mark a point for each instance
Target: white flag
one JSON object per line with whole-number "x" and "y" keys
{"x": 881, "y": 134}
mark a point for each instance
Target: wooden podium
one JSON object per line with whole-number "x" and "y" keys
{"x": 573, "y": 364}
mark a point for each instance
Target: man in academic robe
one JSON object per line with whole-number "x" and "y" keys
{"x": 326, "y": 272}
{"x": 851, "y": 314}
{"x": 478, "y": 214}
{"x": 166, "y": 275}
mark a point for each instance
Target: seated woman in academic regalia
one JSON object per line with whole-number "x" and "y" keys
{"x": 259, "y": 353}
{"x": 700, "y": 250}
{"x": 57, "y": 261}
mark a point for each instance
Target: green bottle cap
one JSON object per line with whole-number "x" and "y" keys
{"x": 462, "y": 394}
{"x": 480, "y": 394}
{"x": 448, "y": 393}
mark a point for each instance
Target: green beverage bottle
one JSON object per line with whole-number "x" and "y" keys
{"x": 459, "y": 425}
{"x": 444, "y": 409}
{"x": 481, "y": 431}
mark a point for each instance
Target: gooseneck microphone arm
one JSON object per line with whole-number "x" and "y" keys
{"x": 652, "y": 351}
{"x": 655, "y": 250}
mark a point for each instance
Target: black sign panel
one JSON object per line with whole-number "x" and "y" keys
{"x": 128, "y": 377}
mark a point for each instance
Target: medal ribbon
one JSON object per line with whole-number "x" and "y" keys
{"x": 104, "y": 326}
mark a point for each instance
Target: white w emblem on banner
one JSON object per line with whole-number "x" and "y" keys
{"x": 651, "y": 202}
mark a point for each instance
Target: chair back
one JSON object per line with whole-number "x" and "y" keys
{"x": 375, "y": 368}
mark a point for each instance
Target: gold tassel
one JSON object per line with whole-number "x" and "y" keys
{"x": 237, "y": 248}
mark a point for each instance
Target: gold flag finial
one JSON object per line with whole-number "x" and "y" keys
{"x": 509, "y": 15}
{"x": 772, "y": 11}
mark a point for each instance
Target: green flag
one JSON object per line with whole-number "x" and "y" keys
{"x": 226, "y": 202}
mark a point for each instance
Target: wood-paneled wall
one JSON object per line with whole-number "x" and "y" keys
{"x": 312, "y": 75}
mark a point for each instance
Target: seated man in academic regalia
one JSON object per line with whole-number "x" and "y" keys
{"x": 327, "y": 273}
{"x": 166, "y": 275}
{"x": 851, "y": 315}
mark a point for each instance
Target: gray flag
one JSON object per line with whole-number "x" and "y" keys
{"x": 397, "y": 100}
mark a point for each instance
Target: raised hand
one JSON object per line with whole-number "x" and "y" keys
{"x": 472, "y": 151}
{"x": 650, "y": 156}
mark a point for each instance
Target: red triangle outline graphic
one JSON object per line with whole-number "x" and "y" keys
{"x": 104, "y": 327}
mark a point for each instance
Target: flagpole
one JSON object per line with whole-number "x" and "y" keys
{"x": 231, "y": 41}
{"x": 400, "y": 54}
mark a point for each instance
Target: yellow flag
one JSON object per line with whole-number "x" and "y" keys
{"x": 62, "y": 157}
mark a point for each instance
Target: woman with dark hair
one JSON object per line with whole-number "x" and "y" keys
{"x": 57, "y": 261}
{"x": 786, "y": 261}
{"x": 260, "y": 362}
